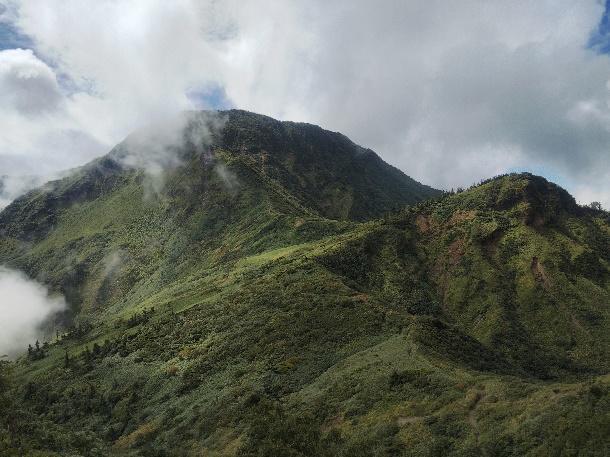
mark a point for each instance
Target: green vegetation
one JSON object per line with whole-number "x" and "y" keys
{"x": 288, "y": 311}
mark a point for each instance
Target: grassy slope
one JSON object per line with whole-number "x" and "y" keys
{"x": 277, "y": 331}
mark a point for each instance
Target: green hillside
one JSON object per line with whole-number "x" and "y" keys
{"x": 271, "y": 294}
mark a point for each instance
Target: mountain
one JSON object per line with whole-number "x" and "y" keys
{"x": 261, "y": 288}
{"x": 233, "y": 183}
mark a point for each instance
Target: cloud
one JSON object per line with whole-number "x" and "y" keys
{"x": 156, "y": 147}
{"x": 39, "y": 135}
{"x": 227, "y": 177}
{"x": 113, "y": 263}
{"x": 163, "y": 145}
{"x": 28, "y": 84}
{"x": 25, "y": 306}
{"x": 450, "y": 92}
{"x": 12, "y": 187}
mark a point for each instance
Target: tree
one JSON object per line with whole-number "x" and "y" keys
{"x": 596, "y": 206}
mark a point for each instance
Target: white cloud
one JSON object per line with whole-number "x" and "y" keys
{"x": 12, "y": 187}
{"x": 25, "y": 306}
{"x": 39, "y": 136}
{"x": 158, "y": 146}
{"x": 450, "y": 92}
{"x": 28, "y": 84}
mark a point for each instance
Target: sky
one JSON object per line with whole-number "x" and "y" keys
{"x": 449, "y": 92}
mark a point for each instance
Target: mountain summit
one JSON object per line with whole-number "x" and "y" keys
{"x": 322, "y": 173}
{"x": 240, "y": 286}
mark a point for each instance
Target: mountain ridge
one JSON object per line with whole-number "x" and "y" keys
{"x": 217, "y": 307}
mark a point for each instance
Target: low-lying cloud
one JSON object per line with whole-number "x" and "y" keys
{"x": 12, "y": 187}
{"x": 162, "y": 146}
{"x": 25, "y": 306}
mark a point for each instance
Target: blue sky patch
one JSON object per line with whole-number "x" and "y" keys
{"x": 600, "y": 38}
{"x": 210, "y": 97}
{"x": 11, "y": 38}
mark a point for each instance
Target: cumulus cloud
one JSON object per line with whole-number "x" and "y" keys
{"x": 39, "y": 135}
{"x": 450, "y": 92}
{"x": 28, "y": 84}
{"x": 25, "y": 306}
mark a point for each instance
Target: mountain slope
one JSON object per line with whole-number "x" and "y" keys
{"x": 229, "y": 185}
{"x": 324, "y": 169}
{"x": 522, "y": 267}
{"x": 220, "y": 309}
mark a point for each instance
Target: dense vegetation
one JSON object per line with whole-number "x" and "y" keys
{"x": 271, "y": 295}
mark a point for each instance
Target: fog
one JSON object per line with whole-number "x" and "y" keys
{"x": 25, "y": 306}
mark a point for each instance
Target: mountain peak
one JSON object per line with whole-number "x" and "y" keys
{"x": 537, "y": 199}
{"x": 297, "y": 167}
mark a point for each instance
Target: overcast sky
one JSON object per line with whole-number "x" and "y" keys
{"x": 448, "y": 91}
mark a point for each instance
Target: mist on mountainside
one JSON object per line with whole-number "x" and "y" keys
{"x": 12, "y": 187}
{"x": 25, "y": 307}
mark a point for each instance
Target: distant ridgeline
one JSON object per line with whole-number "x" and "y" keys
{"x": 243, "y": 286}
